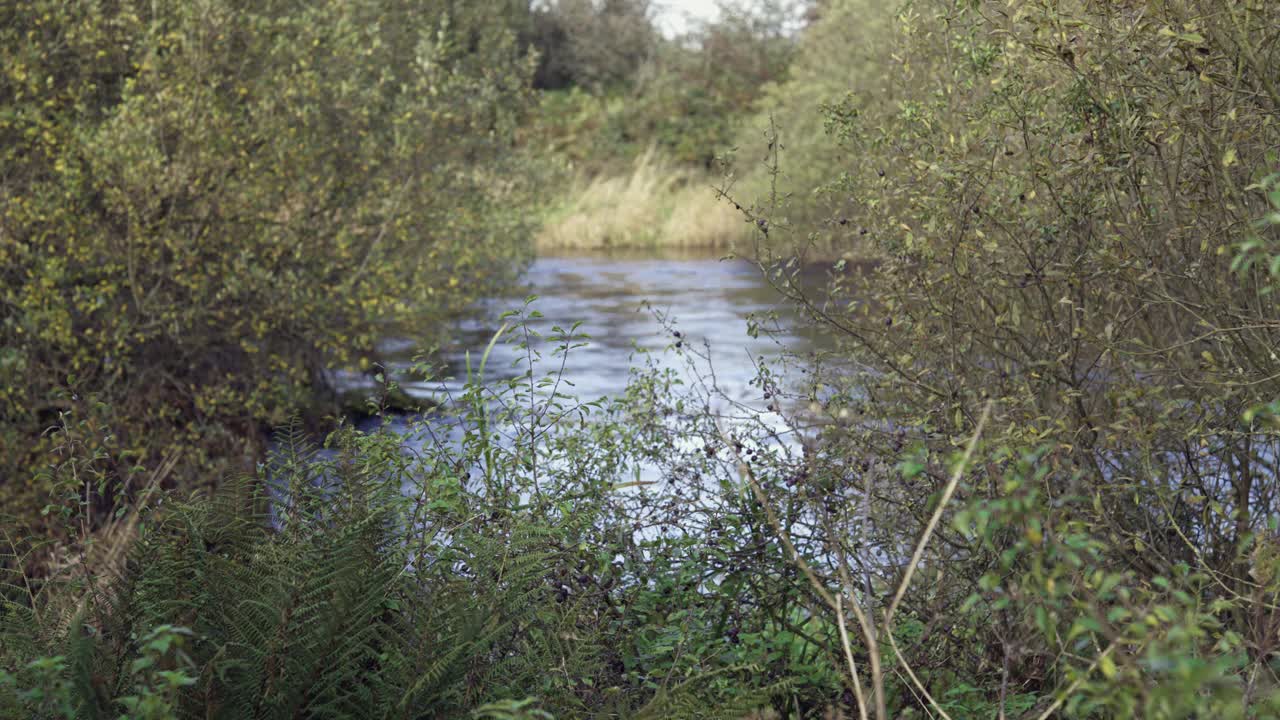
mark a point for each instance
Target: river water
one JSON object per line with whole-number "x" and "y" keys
{"x": 691, "y": 313}
{"x": 689, "y": 310}
{"x": 631, "y": 306}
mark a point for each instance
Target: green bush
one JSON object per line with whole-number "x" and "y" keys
{"x": 512, "y": 571}
{"x": 1055, "y": 198}
{"x": 208, "y": 207}
{"x": 783, "y": 149}
{"x": 681, "y": 97}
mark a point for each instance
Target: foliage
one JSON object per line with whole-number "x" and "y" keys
{"x": 681, "y": 96}
{"x": 206, "y": 207}
{"x": 498, "y": 575}
{"x": 1035, "y": 475}
{"x": 637, "y": 150}
{"x": 1055, "y": 198}
{"x": 702, "y": 84}
{"x": 597, "y": 46}
{"x": 840, "y": 58}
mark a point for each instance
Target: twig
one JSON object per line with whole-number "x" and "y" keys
{"x": 937, "y": 514}
{"x": 853, "y": 666}
{"x": 836, "y": 602}
{"x": 868, "y": 629}
{"x": 1062, "y": 696}
{"x": 911, "y": 674}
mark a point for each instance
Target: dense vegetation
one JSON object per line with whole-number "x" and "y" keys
{"x": 639, "y": 120}
{"x": 1036, "y": 476}
{"x": 1059, "y": 198}
{"x": 207, "y": 207}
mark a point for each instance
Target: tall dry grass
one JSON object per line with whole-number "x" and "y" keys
{"x": 655, "y": 205}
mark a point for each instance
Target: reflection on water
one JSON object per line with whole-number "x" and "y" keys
{"x": 690, "y": 311}
{"x": 625, "y": 302}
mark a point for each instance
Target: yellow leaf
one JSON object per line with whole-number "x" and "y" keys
{"x": 1107, "y": 666}
{"x": 1034, "y": 535}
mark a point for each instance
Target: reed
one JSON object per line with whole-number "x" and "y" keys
{"x": 655, "y": 205}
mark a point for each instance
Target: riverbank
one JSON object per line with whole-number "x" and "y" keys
{"x": 656, "y": 205}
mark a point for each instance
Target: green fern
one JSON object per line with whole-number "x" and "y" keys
{"x": 321, "y": 590}
{"x": 690, "y": 699}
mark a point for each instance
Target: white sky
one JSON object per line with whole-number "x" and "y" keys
{"x": 673, "y": 15}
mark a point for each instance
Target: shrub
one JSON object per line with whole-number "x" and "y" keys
{"x": 512, "y": 571}
{"x": 208, "y": 207}
{"x": 1056, "y": 199}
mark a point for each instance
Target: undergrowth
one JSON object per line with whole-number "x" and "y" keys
{"x": 499, "y": 574}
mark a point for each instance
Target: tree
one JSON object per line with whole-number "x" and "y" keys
{"x": 592, "y": 44}
{"x": 205, "y": 208}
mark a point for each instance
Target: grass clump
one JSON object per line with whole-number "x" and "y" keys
{"x": 655, "y": 205}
